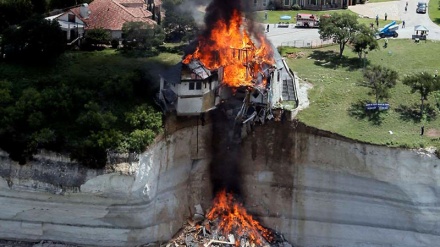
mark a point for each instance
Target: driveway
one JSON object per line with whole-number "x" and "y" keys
{"x": 394, "y": 9}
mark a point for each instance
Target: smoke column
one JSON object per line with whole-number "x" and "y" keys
{"x": 225, "y": 167}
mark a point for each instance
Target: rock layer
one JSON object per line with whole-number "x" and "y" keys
{"x": 316, "y": 188}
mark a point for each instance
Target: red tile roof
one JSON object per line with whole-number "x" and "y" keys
{"x": 111, "y": 14}
{"x": 131, "y": 1}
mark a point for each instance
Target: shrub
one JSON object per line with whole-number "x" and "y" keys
{"x": 296, "y": 7}
{"x": 97, "y": 37}
{"x": 114, "y": 43}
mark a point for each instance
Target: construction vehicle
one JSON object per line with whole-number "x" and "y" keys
{"x": 389, "y": 30}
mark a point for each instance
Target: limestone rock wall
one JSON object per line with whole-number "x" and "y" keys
{"x": 323, "y": 190}
{"x": 316, "y": 188}
{"x": 52, "y": 198}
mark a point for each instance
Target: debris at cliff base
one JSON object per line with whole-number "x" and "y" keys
{"x": 226, "y": 224}
{"x": 207, "y": 233}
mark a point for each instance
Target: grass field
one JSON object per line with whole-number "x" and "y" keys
{"x": 337, "y": 101}
{"x": 434, "y": 11}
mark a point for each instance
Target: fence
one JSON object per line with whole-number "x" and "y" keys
{"x": 308, "y": 43}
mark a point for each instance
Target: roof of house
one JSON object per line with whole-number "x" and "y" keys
{"x": 173, "y": 74}
{"x": 112, "y": 14}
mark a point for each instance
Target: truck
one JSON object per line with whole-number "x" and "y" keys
{"x": 307, "y": 20}
{"x": 389, "y": 30}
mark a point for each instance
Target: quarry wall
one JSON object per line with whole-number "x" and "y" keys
{"x": 316, "y": 188}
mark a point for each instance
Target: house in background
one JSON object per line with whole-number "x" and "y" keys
{"x": 107, "y": 14}
{"x": 72, "y": 22}
{"x": 112, "y": 14}
{"x": 304, "y": 4}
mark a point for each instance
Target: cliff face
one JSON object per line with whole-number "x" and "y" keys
{"x": 316, "y": 188}
{"x": 52, "y": 198}
{"x": 324, "y": 190}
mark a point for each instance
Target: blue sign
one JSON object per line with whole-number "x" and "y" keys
{"x": 374, "y": 106}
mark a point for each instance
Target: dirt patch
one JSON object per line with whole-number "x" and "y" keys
{"x": 295, "y": 54}
{"x": 433, "y": 133}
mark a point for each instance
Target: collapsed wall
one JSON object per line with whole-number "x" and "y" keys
{"x": 316, "y": 188}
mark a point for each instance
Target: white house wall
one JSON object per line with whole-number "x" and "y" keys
{"x": 116, "y": 34}
{"x": 183, "y": 89}
{"x": 276, "y": 95}
{"x": 189, "y": 106}
{"x": 65, "y": 17}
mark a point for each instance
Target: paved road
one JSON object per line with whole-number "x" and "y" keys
{"x": 394, "y": 9}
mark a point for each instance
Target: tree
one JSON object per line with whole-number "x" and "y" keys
{"x": 35, "y": 40}
{"x": 153, "y": 12}
{"x": 39, "y": 6}
{"x": 146, "y": 123}
{"x": 142, "y": 36}
{"x": 424, "y": 83}
{"x": 178, "y": 24}
{"x": 364, "y": 41}
{"x": 159, "y": 18}
{"x": 97, "y": 36}
{"x": 380, "y": 79}
{"x": 342, "y": 28}
{"x": 13, "y": 12}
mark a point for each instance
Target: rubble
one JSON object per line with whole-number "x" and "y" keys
{"x": 208, "y": 233}
{"x": 215, "y": 232}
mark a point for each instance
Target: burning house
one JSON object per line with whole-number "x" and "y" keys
{"x": 234, "y": 73}
{"x": 230, "y": 67}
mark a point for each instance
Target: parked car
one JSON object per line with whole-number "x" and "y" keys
{"x": 421, "y": 7}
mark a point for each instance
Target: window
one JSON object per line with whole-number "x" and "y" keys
{"x": 198, "y": 86}
{"x": 286, "y": 2}
{"x": 255, "y": 3}
{"x": 191, "y": 86}
{"x": 71, "y": 18}
{"x": 265, "y": 2}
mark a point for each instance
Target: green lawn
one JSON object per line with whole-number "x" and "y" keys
{"x": 434, "y": 11}
{"x": 274, "y": 16}
{"x": 337, "y": 101}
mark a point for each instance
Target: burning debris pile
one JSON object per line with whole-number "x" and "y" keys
{"x": 227, "y": 224}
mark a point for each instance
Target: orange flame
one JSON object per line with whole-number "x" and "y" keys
{"x": 230, "y": 46}
{"x": 232, "y": 217}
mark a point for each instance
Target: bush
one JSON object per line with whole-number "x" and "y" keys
{"x": 97, "y": 37}
{"x": 114, "y": 43}
{"x": 363, "y": 1}
{"x": 296, "y": 7}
